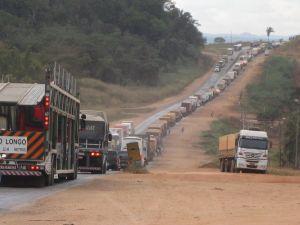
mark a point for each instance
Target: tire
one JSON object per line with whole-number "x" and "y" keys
{"x": 104, "y": 167}
{"x": 50, "y": 177}
{"x": 226, "y": 162}
{"x": 73, "y": 176}
{"x": 233, "y": 166}
{"x": 223, "y": 165}
{"x": 230, "y": 166}
{"x": 263, "y": 172}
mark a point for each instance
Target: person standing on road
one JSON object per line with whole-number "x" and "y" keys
{"x": 182, "y": 130}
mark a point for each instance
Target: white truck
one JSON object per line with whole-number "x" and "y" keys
{"x": 246, "y": 150}
{"x": 142, "y": 148}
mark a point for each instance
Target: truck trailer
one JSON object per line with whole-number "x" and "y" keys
{"x": 39, "y": 128}
{"x": 246, "y": 150}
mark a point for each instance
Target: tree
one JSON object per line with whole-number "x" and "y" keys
{"x": 269, "y": 31}
{"x": 219, "y": 40}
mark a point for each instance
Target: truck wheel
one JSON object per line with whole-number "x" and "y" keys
{"x": 229, "y": 166}
{"x": 73, "y": 176}
{"x": 50, "y": 177}
{"x": 223, "y": 166}
{"x": 104, "y": 167}
{"x": 233, "y": 166}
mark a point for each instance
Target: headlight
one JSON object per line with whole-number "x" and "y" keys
{"x": 3, "y": 156}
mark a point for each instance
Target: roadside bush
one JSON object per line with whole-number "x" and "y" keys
{"x": 218, "y": 128}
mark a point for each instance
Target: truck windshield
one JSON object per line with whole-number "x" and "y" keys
{"x": 261, "y": 144}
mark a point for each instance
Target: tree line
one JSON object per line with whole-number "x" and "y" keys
{"x": 123, "y": 42}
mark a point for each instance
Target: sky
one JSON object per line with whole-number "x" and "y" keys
{"x": 239, "y": 16}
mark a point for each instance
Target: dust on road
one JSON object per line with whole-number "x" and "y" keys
{"x": 177, "y": 191}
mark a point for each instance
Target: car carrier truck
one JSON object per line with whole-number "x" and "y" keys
{"x": 246, "y": 150}
{"x": 93, "y": 142}
{"x": 39, "y": 126}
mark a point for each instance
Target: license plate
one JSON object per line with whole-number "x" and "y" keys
{"x": 8, "y": 167}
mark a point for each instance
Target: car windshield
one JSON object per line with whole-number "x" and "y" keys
{"x": 252, "y": 143}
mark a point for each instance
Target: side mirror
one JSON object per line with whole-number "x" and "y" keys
{"x": 109, "y": 137}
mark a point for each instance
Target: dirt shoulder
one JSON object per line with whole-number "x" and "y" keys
{"x": 177, "y": 190}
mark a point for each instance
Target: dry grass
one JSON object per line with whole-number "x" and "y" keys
{"x": 126, "y": 102}
{"x": 217, "y": 49}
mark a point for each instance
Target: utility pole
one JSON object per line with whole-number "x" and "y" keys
{"x": 280, "y": 144}
{"x": 297, "y": 142}
{"x": 297, "y": 133}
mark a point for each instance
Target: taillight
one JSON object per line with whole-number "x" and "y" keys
{"x": 47, "y": 102}
{"x": 33, "y": 167}
{"x": 46, "y": 121}
{"x": 95, "y": 154}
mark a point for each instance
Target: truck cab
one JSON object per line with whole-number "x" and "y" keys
{"x": 252, "y": 150}
{"x": 93, "y": 144}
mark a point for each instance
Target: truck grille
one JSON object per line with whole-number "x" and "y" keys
{"x": 252, "y": 156}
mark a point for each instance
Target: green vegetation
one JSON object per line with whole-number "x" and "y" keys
{"x": 117, "y": 41}
{"x": 273, "y": 98}
{"x": 219, "y": 40}
{"x": 217, "y": 49}
{"x": 218, "y": 128}
{"x": 273, "y": 95}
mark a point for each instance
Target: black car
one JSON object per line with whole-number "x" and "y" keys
{"x": 123, "y": 156}
{"x": 113, "y": 160}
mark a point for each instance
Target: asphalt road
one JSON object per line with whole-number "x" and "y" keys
{"x": 15, "y": 196}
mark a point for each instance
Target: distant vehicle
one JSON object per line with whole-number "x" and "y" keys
{"x": 267, "y": 52}
{"x": 246, "y": 150}
{"x": 232, "y": 74}
{"x": 93, "y": 143}
{"x": 221, "y": 85}
{"x": 229, "y": 51}
{"x": 237, "y": 47}
{"x": 222, "y": 63}
{"x": 217, "y": 69}
{"x": 225, "y": 58}
{"x": 183, "y": 111}
{"x": 130, "y": 125}
{"x": 113, "y": 160}
{"x": 237, "y": 67}
{"x": 142, "y": 148}
{"x": 188, "y": 105}
{"x": 116, "y": 142}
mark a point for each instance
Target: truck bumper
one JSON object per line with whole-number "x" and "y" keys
{"x": 20, "y": 173}
{"x": 242, "y": 163}
{"x": 89, "y": 169}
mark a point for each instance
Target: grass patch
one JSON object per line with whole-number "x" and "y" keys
{"x": 283, "y": 171}
{"x": 218, "y": 128}
{"x": 217, "y": 49}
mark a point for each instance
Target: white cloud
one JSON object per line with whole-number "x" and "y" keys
{"x": 238, "y": 16}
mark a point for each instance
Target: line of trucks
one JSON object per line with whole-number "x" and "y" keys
{"x": 45, "y": 135}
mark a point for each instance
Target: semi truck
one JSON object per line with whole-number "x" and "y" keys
{"x": 39, "y": 128}
{"x": 93, "y": 143}
{"x": 246, "y": 150}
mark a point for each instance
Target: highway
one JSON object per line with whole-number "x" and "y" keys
{"x": 12, "y": 197}
{"x": 212, "y": 81}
